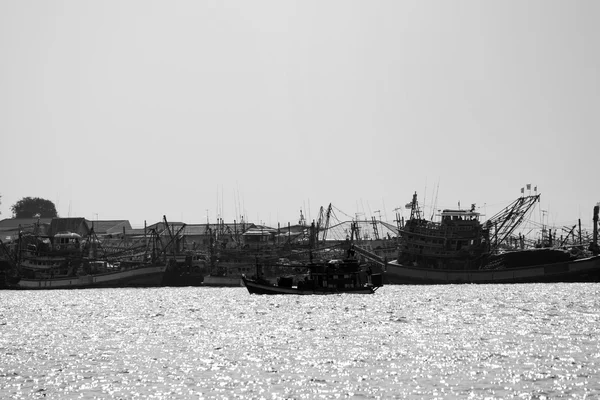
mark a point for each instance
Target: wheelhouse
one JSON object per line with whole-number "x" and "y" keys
{"x": 66, "y": 241}
{"x": 459, "y": 215}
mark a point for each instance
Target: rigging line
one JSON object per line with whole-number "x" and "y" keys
{"x": 384, "y": 210}
{"x": 332, "y": 214}
{"x": 342, "y": 212}
{"x": 437, "y": 192}
{"x": 425, "y": 198}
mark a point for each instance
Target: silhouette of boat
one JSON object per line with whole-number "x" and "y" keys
{"x": 460, "y": 249}
{"x": 332, "y": 277}
{"x": 66, "y": 260}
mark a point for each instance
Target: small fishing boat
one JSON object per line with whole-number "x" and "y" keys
{"x": 332, "y": 277}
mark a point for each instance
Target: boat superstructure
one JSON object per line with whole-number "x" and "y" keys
{"x": 457, "y": 241}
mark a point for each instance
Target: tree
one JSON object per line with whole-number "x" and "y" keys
{"x": 28, "y": 207}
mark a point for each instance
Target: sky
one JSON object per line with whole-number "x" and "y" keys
{"x": 198, "y": 110}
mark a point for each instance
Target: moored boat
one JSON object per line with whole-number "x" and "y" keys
{"x": 226, "y": 266}
{"x": 134, "y": 276}
{"x": 460, "y": 249}
{"x": 187, "y": 270}
{"x": 332, "y": 277}
{"x": 577, "y": 270}
{"x": 66, "y": 260}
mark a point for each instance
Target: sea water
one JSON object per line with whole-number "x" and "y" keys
{"x": 529, "y": 341}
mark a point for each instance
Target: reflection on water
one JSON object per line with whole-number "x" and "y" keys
{"x": 473, "y": 341}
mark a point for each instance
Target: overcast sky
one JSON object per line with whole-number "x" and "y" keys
{"x": 197, "y": 109}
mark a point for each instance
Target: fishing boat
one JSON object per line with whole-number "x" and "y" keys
{"x": 461, "y": 249}
{"x": 66, "y": 260}
{"x": 332, "y": 277}
{"x": 138, "y": 275}
{"x": 188, "y": 270}
{"x": 226, "y": 267}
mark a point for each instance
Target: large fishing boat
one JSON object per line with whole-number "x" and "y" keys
{"x": 97, "y": 276}
{"x": 461, "y": 249}
{"x": 66, "y": 260}
{"x": 331, "y": 277}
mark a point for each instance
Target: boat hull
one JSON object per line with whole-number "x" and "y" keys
{"x": 184, "y": 280}
{"x": 220, "y": 281}
{"x": 150, "y": 276}
{"x": 582, "y": 270}
{"x": 255, "y": 287}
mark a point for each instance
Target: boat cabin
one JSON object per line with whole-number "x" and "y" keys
{"x": 335, "y": 274}
{"x": 459, "y": 215}
{"x": 66, "y": 241}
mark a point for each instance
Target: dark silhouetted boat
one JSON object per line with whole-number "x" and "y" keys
{"x": 460, "y": 249}
{"x": 66, "y": 260}
{"x": 332, "y": 277}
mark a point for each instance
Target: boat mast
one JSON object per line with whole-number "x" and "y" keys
{"x": 594, "y": 246}
{"x": 324, "y": 226}
{"x": 415, "y": 213}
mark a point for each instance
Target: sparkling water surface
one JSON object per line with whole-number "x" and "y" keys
{"x": 529, "y": 341}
